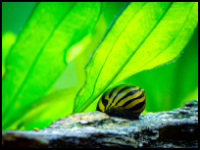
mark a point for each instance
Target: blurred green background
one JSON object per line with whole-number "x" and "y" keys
{"x": 166, "y": 87}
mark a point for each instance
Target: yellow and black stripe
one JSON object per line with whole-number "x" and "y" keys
{"x": 124, "y": 99}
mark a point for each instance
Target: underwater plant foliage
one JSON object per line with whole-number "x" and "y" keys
{"x": 67, "y": 54}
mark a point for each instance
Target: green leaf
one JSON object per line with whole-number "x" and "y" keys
{"x": 38, "y": 57}
{"x": 8, "y": 39}
{"x": 168, "y": 87}
{"x": 144, "y": 36}
{"x": 51, "y": 107}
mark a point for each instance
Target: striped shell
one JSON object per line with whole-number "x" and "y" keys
{"x": 125, "y": 99}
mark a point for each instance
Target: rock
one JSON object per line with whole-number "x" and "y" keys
{"x": 173, "y": 129}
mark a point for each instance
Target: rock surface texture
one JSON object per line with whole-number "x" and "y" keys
{"x": 173, "y": 129}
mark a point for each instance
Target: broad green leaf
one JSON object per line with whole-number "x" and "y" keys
{"x": 144, "y": 36}
{"x": 51, "y": 107}
{"x": 38, "y": 57}
{"x": 8, "y": 39}
{"x": 170, "y": 86}
{"x": 166, "y": 41}
{"x": 109, "y": 12}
